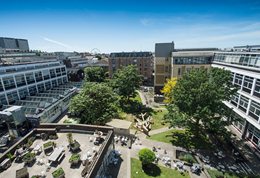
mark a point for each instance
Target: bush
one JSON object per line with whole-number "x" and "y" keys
{"x": 146, "y": 156}
{"x": 75, "y": 158}
{"x": 70, "y": 138}
{"x": 10, "y": 156}
{"x": 58, "y": 173}
{"x": 188, "y": 158}
{"x": 49, "y": 144}
{"x": 29, "y": 157}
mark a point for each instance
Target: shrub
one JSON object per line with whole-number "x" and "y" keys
{"x": 48, "y": 144}
{"x": 29, "y": 157}
{"x": 57, "y": 173}
{"x": 70, "y": 138}
{"x": 146, "y": 156}
{"x": 11, "y": 156}
{"x": 187, "y": 157}
{"x": 74, "y": 158}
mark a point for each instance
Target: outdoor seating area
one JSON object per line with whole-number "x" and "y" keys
{"x": 43, "y": 156}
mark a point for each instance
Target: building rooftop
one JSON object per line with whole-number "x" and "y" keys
{"x": 85, "y": 135}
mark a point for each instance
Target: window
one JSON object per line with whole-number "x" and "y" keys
{"x": 38, "y": 76}
{"x": 52, "y": 72}
{"x": 243, "y": 103}
{"x": 40, "y": 87}
{"x": 20, "y": 80}
{"x": 248, "y": 83}
{"x": 3, "y": 100}
{"x": 63, "y": 71}
{"x": 48, "y": 85}
{"x": 254, "y": 110}
{"x": 1, "y": 86}
{"x": 32, "y": 90}
{"x": 64, "y": 79}
{"x": 59, "y": 81}
{"x": 12, "y": 97}
{"x": 238, "y": 80}
{"x": 257, "y": 88}
{"x": 234, "y": 99}
{"x": 54, "y": 83}
{"x": 46, "y": 74}
{"x": 23, "y": 93}
{"x": 8, "y": 82}
{"x": 179, "y": 71}
{"x": 58, "y": 72}
{"x": 29, "y": 78}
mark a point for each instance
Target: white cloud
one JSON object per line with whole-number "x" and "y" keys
{"x": 57, "y": 42}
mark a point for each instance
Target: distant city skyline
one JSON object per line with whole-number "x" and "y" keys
{"x": 115, "y": 26}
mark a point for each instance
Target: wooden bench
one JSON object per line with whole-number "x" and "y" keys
{"x": 60, "y": 158}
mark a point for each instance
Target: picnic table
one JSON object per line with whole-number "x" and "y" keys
{"x": 56, "y": 154}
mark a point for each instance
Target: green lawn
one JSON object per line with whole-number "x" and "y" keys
{"x": 154, "y": 171}
{"x": 158, "y": 115}
{"x": 183, "y": 139}
{"x": 216, "y": 174}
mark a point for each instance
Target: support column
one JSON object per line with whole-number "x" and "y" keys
{"x": 245, "y": 130}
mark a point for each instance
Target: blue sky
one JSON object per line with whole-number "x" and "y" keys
{"x": 130, "y": 25}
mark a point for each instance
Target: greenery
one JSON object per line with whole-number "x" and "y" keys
{"x": 10, "y": 156}
{"x": 74, "y": 158}
{"x": 95, "y": 104}
{"x": 168, "y": 86}
{"x": 197, "y": 101}
{"x": 183, "y": 138}
{"x": 48, "y": 144}
{"x": 187, "y": 157}
{"x": 28, "y": 157}
{"x": 57, "y": 173}
{"x": 217, "y": 174}
{"x": 94, "y": 74}
{"x": 146, "y": 156}
{"x": 70, "y": 138}
{"x": 153, "y": 171}
{"x": 126, "y": 81}
{"x": 158, "y": 118}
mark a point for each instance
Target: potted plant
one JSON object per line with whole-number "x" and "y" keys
{"x": 74, "y": 159}
{"x": 73, "y": 144}
{"x": 58, "y": 173}
{"x": 28, "y": 158}
{"x": 48, "y": 147}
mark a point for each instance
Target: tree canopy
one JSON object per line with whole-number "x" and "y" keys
{"x": 126, "y": 81}
{"x": 146, "y": 156}
{"x": 94, "y": 74}
{"x": 95, "y": 104}
{"x": 168, "y": 86}
{"x": 197, "y": 100}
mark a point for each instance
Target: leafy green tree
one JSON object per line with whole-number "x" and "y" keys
{"x": 94, "y": 74}
{"x": 95, "y": 104}
{"x": 146, "y": 156}
{"x": 197, "y": 101}
{"x": 126, "y": 81}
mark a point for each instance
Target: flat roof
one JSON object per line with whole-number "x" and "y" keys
{"x": 118, "y": 123}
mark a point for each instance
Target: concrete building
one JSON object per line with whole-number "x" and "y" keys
{"x": 143, "y": 61}
{"x": 14, "y": 45}
{"x": 171, "y": 62}
{"x": 245, "y": 68}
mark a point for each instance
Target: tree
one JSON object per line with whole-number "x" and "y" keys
{"x": 197, "y": 101}
{"x": 168, "y": 86}
{"x": 126, "y": 81}
{"x": 95, "y": 104}
{"x": 94, "y": 74}
{"x": 146, "y": 156}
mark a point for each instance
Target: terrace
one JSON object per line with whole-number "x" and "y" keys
{"x": 53, "y": 150}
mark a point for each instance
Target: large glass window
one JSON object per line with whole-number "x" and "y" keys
{"x": 64, "y": 79}
{"x": 20, "y": 80}
{"x": 52, "y": 72}
{"x": 23, "y": 93}
{"x": 46, "y": 74}
{"x": 238, "y": 80}
{"x": 63, "y": 71}
{"x": 48, "y": 85}
{"x": 248, "y": 83}
{"x": 243, "y": 103}
{"x": 234, "y": 99}
{"x": 38, "y": 76}
{"x": 29, "y": 78}
{"x": 54, "y": 83}
{"x": 257, "y": 88}
{"x": 3, "y": 100}
{"x": 12, "y": 97}
{"x": 58, "y": 72}
{"x": 8, "y": 82}
{"x": 254, "y": 110}
{"x": 32, "y": 90}
{"x": 40, "y": 87}
{"x": 59, "y": 81}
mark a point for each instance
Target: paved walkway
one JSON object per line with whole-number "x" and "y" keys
{"x": 156, "y": 131}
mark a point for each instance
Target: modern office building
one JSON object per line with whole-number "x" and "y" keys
{"x": 171, "y": 62}
{"x": 143, "y": 61}
{"x": 14, "y": 45}
{"x": 41, "y": 88}
{"x": 245, "y": 68}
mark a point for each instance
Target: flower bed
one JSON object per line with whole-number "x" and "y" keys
{"x": 74, "y": 159}
{"x": 59, "y": 173}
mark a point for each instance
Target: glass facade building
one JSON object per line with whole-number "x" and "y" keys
{"x": 245, "y": 69}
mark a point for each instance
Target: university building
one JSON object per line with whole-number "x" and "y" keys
{"x": 244, "y": 65}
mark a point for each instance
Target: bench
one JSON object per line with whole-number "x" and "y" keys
{"x": 60, "y": 158}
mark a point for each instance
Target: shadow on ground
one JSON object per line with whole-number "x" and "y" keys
{"x": 152, "y": 170}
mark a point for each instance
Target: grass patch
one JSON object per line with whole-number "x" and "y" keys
{"x": 218, "y": 174}
{"x": 153, "y": 171}
{"x": 182, "y": 138}
{"x": 158, "y": 118}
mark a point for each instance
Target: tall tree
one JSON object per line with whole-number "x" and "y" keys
{"x": 95, "y": 104}
{"x": 94, "y": 74}
{"x": 168, "y": 86}
{"x": 126, "y": 81}
{"x": 197, "y": 100}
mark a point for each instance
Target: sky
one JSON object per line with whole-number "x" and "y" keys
{"x": 115, "y": 26}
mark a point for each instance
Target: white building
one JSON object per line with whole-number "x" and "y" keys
{"x": 245, "y": 68}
